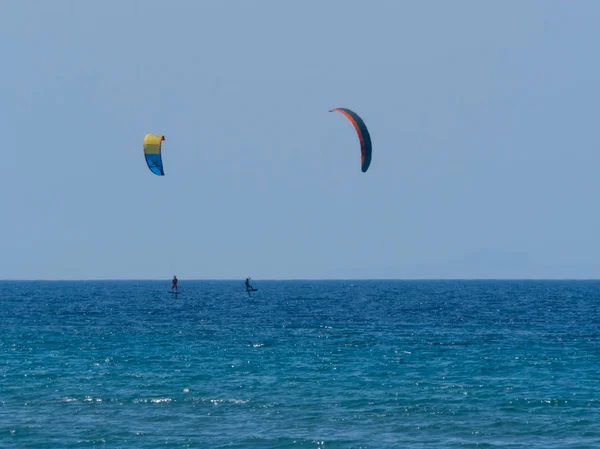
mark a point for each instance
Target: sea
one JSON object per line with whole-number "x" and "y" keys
{"x": 300, "y": 364}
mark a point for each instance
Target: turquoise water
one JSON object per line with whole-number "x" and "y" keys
{"x": 357, "y": 364}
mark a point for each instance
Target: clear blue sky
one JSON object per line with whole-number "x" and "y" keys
{"x": 483, "y": 115}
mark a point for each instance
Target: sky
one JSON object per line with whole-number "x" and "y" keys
{"x": 483, "y": 117}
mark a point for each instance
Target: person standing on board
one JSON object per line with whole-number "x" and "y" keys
{"x": 248, "y": 284}
{"x": 174, "y": 283}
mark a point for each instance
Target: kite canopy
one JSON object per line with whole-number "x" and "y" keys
{"x": 363, "y": 136}
{"x": 152, "y": 147}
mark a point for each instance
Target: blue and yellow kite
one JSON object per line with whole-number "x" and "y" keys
{"x": 152, "y": 147}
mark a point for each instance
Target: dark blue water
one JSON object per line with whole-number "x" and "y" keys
{"x": 477, "y": 364}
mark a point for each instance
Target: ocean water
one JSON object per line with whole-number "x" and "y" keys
{"x": 332, "y": 364}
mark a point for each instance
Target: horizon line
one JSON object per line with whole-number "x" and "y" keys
{"x": 296, "y": 279}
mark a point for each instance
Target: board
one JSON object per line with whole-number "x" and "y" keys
{"x": 175, "y": 293}
{"x": 251, "y": 289}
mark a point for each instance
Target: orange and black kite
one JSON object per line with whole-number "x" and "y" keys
{"x": 363, "y": 136}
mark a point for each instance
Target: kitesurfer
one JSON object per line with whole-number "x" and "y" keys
{"x": 174, "y": 283}
{"x": 248, "y": 287}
